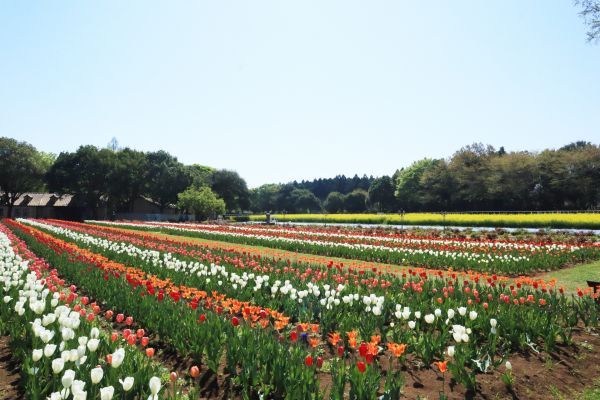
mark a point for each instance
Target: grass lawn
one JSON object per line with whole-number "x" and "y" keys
{"x": 575, "y": 277}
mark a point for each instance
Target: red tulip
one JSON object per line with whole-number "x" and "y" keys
{"x": 150, "y": 352}
{"x": 114, "y": 337}
{"x": 120, "y": 318}
{"x": 131, "y": 340}
{"x": 293, "y": 336}
{"x": 361, "y": 366}
{"x": 194, "y": 372}
{"x": 129, "y": 321}
{"x": 173, "y": 377}
{"x": 235, "y": 321}
{"x": 319, "y": 362}
{"x": 340, "y": 351}
{"x": 140, "y": 333}
{"x": 108, "y": 315}
{"x": 202, "y": 318}
{"x": 308, "y": 361}
{"x": 362, "y": 350}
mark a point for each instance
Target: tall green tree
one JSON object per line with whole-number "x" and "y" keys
{"x": 356, "y": 201}
{"x": 264, "y": 198}
{"x": 201, "y": 175}
{"x": 334, "y": 203}
{"x": 381, "y": 194}
{"x": 22, "y": 169}
{"x": 303, "y": 200}
{"x": 86, "y": 174}
{"x": 408, "y": 184}
{"x": 471, "y": 167}
{"x": 128, "y": 178}
{"x": 166, "y": 178}
{"x": 232, "y": 188}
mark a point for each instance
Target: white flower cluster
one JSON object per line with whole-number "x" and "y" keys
{"x": 65, "y": 347}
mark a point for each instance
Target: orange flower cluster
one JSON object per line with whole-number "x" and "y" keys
{"x": 397, "y": 349}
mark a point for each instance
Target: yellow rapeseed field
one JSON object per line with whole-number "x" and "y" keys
{"x": 550, "y": 220}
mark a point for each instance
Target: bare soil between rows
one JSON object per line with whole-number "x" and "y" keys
{"x": 9, "y": 373}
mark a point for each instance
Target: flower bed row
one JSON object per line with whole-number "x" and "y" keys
{"x": 480, "y": 255}
{"x": 55, "y": 336}
{"x": 471, "y": 325}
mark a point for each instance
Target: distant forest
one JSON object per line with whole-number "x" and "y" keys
{"x": 475, "y": 178}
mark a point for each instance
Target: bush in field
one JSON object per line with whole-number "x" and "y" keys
{"x": 203, "y": 202}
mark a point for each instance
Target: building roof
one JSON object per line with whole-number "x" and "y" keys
{"x": 44, "y": 200}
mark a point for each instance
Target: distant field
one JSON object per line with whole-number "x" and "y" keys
{"x": 548, "y": 220}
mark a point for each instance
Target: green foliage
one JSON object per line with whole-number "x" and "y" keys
{"x": 303, "y": 200}
{"x": 128, "y": 178}
{"x": 166, "y": 178}
{"x": 200, "y": 201}
{"x": 230, "y": 186}
{"x": 408, "y": 184}
{"x": 334, "y": 202}
{"x": 201, "y": 175}
{"x": 85, "y": 173}
{"x": 264, "y": 198}
{"x": 356, "y": 201}
{"x": 381, "y": 194}
{"x": 22, "y": 169}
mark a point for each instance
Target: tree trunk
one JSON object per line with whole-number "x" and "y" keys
{"x": 10, "y": 210}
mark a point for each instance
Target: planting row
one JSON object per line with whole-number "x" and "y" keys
{"x": 500, "y": 256}
{"x": 471, "y": 324}
{"x": 55, "y": 336}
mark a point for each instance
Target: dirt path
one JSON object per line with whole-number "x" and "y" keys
{"x": 9, "y": 373}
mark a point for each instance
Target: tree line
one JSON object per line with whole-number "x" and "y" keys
{"x": 475, "y": 178}
{"x": 114, "y": 178}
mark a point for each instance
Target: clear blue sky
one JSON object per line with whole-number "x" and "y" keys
{"x": 282, "y": 90}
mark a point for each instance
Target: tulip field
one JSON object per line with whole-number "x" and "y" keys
{"x": 498, "y": 256}
{"x": 113, "y": 310}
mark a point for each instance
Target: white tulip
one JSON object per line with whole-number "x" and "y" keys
{"x": 57, "y": 365}
{"x": 118, "y": 357}
{"x": 92, "y": 345}
{"x": 473, "y": 315}
{"x": 451, "y": 351}
{"x": 438, "y": 312}
{"x": 68, "y": 378}
{"x": 106, "y": 393}
{"x": 429, "y": 318}
{"x": 508, "y": 366}
{"x": 127, "y": 383}
{"x": 493, "y": 322}
{"x": 77, "y": 389}
{"x": 155, "y": 386}
{"x": 451, "y": 313}
{"x": 412, "y": 324}
{"x": 95, "y": 333}
{"x": 96, "y": 375}
{"x": 37, "y": 354}
{"x": 462, "y": 311}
